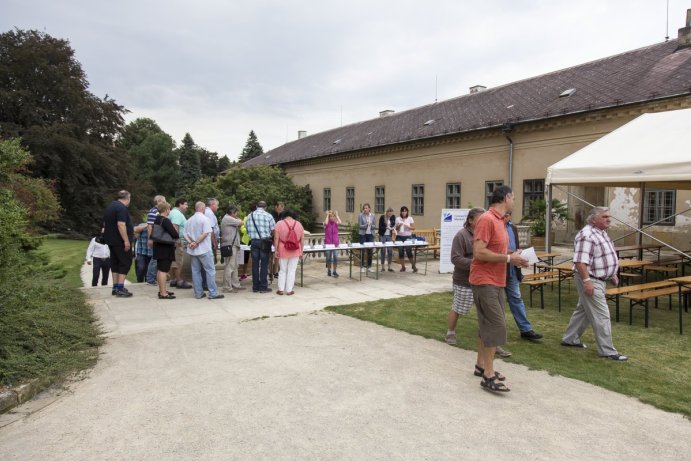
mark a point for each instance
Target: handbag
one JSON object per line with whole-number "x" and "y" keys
{"x": 160, "y": 235}
{"x": 227, "y": 250}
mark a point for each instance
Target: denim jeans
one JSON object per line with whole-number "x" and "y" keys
{"x": 141, "y": 266}
{"x": 386, "y": 252}
{"x": 151, "y": 271}
{"x": 331, "y": 257}
{"x": 260, "y": 266}
{"x": 513, "y": 296}
{"x": 204, "y": 262}
{"x": 363, "y": 239}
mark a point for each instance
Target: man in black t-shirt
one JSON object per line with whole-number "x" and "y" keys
{"x": 119, "y": 234}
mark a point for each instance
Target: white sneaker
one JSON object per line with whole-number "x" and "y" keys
{"x": 369, "y": 269}
{"x": 362, "y": 269}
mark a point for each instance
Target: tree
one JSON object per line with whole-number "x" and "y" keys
{"x": 44, "y": 99}
{"x": 244, "y": 186}
{"x": 153, "y": 155}
{"x": 190, "y": 164}
{"x": 208, "y": 162}
{"x": 252, "y": 148}
{"x": 224, "y": 164}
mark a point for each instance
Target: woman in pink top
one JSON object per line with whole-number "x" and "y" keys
{"x": 287, "y": 259}
{"x": 331, "y": 238}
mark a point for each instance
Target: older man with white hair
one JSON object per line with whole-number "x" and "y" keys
{"x": 595, "y": 263}
{"x": 198, "y": 233}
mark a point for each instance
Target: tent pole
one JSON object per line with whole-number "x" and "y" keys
{"x": 548, "y": 220}
{"x": 639, "y": 235}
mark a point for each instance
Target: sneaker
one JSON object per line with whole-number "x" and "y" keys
{"x": 577, "y": 345}
{"x": 184, "y": 285}
{"x": 265, "y": 290}
{"x": 123, "y": 293}
{"x": 618, "y": 357}
{"x": 531, "y": 335}
{"x": 218, "y": 296}
{"x": 502, "y": 352}
{"x": 243, "y": 276}
{"x": 174, "y": 284}
{"x": 328, "y": 273}
{"x": 334, "y": 274}
{"x": 152, "y": 284}
{"x": 202, "y": 296}
{"x": 362, "y": 269}
{"x": 369, "y": 269}
{"x": 451, "y": 339}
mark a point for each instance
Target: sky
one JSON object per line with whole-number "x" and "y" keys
{"x": 219, "y": 68}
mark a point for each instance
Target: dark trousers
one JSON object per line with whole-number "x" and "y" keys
{"x": 141, "y": 266}
{"x": 102, "y": 268}
{"x": 260, "y": 266}
{"x": 363, "y": 239}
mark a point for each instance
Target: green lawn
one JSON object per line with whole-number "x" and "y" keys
{"x": 658, "y": 371}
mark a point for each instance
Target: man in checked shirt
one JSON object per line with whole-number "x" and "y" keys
{"x": 595, "y": 262}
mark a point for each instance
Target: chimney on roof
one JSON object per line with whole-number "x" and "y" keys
{"x": 301, "y": 134}
{"x": 386, "y": 113}
{"x": 684, "y": 40}
{"x": 477, "y": 89}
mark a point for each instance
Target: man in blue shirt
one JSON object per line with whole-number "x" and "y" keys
{"x": 513, "y": 291}
{"x": 260, "y": 226}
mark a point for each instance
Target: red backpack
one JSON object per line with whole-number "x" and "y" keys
{"x": 291, "y": 243}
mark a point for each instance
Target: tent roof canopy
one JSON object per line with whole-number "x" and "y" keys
{"x": 654, "y": 149}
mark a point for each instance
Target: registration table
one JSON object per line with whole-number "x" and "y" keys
{"x": 684, "y": 284}
{"x": 361, "y": 249}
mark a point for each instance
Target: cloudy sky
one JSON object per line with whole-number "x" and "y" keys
{"x": 220, "y": 68}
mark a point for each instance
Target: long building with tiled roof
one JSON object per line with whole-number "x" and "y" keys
{"x": 451, "y": 154}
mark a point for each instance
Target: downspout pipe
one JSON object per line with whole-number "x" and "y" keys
{"x": 506, "y": 129}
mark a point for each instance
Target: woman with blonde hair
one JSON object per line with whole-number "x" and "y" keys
{"x": 331, "y": 238}
{"x": 164, "y": 253}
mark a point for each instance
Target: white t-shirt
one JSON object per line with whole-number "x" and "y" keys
{"x": 404, "y": 230}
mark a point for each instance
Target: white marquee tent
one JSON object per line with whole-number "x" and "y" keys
{"x": 651, "y": 151}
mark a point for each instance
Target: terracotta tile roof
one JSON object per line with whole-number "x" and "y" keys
{"x": 649, "y": 73}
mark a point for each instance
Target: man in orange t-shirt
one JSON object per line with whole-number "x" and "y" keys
{"x": 488, "y": 279}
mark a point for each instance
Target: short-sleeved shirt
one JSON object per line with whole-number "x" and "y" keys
{"x": 209, "y": 213}
{"x": 264, "y": 224}
{"x": 490, "y": 229}
{"x": 404, "y": 230}
{"x": 195, "y": 227}
{"x": 177, "y": 218}
{"x": 140, "y": 246}
{"x": 593, "y": 247}
{"x": 116, "y": 212}
{"x": 282, "y": 229}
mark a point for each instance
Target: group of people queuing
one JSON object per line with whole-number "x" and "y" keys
{"x": 161, "y": 243}
{"x": 487, "y": 270}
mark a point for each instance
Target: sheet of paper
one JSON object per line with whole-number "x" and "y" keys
{"x": 529, "y": 254}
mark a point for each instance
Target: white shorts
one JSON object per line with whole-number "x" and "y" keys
{"x": 462, "y": 299}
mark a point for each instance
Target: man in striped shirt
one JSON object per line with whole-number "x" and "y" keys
{"x": 595, "y": 262}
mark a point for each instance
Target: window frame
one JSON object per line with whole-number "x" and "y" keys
{"x": 350, "y": 200}
{"x": 659, "y": 207}
{"x": 326, "y": 202}
{"x": 417, "y": 202}
{"x": 531, "y": 196}
{"x": 379, "y": 200}
{"x": 450, "y": 196}
{"x": 488, "y": 192}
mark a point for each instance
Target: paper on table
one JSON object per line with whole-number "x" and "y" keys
{"x": 529, "y": 254}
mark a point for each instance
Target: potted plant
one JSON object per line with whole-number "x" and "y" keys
{"x": 538, "y": 226}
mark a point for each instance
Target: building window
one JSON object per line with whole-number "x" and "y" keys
{"x": 418, "y": 199}
{"x": 659, "y": 206}
{"x": 379, "y": 199}
{"x": 327, "y": 199}
{"x": 533, "y": 189}
{"x": 350, "y": 199}
{"x": 489, "y": 188}
{"x": 453, "y": 195}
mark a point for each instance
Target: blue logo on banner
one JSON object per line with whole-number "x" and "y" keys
{"x": 448, "y": 217}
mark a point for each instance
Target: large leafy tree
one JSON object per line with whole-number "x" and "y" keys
{"x": 252, "y": 148}
{"x": 154, "y": 157}
{"x": 44, "y": 99}
{"x": 244, "y": 186}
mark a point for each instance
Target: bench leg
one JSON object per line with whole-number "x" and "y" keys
{"x": 542, "y": 296}
{"x": 646, "y": 313}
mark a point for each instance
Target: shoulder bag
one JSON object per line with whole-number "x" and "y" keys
{"x": 160, "y": 235}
